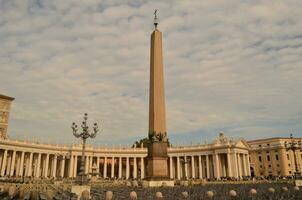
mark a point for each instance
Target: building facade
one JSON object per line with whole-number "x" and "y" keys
{"x": 221, "y": 158}
{"x": 5, "y": 105}
{"x": 269, "y": 157}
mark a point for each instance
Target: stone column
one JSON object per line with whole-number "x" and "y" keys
{"x": 134, "y": 168}
{"x": 75, "y": 166}
{"x": 98, "y": 164}
{"x": 186, "y": 167}
{"x": 39, "y": 166}
{"x": 105, "y": 168}
{"x": 4, "y": 163}
{"x": 120, "y": 167}
{"x": 248, "y": 165}
{"x": 230, "y": 174}
{"x": 283, "y": 161}
{"x": 112, "y": 167}
{"x": 30, "y": 164}
{"x": 54, "y": 166}
{"x": 244, "y": 165}
{"x": 46, "y": 165}
{"x": 142, "y": 168}
{"x": 90, "y": 164}
{"x": 234, "y": 164}
{"x": 217, "y": 166}
{"x": 62, "y": 166}
{"x": 193, "y": 166}
{"x": 26, "y": 163}
{"x": 239, "y": 165}
{"x": 171, "y": 167}
{"x": 178, "y": 167}
{"x": 12, "y": 169}
{"x": 70, "y": 167}
{"x": 21, "y": 164}
{"x": 208, "y": 166}
{"x": 18, "y": 158}
{"x": 35, "y": 164}
{"x": 127, "y": 168}
{"x": 9, "y": 164}
{"x": 200, "y": 167}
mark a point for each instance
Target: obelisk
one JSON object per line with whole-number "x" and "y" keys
{"x": 157, "y": 168}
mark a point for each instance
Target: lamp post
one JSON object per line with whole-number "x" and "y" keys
{"x": 294, "y": 146}
{"x": 84, "y": 135}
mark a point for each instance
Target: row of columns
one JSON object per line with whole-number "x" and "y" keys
{"x": 17, "y": 164}
{"x": 209, "y": 166}
{"x": 100, "y": 166}
{"x": 28, "y": 164}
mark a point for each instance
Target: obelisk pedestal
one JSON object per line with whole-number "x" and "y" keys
{"x": 157, "y": 161}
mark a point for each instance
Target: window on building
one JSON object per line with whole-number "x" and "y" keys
{"x": 277, "y": 157}
{"x": 267, "y": 151}
{"x": 260, "y": 166}
{"x": 278, "y": 165}
{"x": 287, "y": 156}
{"x": 289, "y": 165}
{"x": 268, "y": 158}
{"x": 260, "y": 159}
{"x": 269, "y": 166}
{"x": 290, "y": 172}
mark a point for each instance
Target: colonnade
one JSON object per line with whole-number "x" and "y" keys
{"x": 46, "y": 165}
{"x": 15, "y": 163}
{"x": 202, "y": 165}
{"x": 208, "y": 166}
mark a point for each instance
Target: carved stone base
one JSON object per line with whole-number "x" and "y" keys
{"x": 157, "y": 168}
{"x": 162, "y": 183}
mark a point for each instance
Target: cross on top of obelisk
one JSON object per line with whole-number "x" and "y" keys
{"x": 155, "y": 18}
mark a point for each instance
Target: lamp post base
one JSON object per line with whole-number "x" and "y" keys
{"x": 82, "y": 180}
{"x": 298, "y": 183}
{"x": 78, "y": 189}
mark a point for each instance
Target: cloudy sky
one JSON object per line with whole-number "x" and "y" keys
{"x": 232, "y": 66}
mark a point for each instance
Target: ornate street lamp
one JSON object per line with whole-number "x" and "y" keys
{"x": 85, "y": 134}
{"x": 294, "y": 146}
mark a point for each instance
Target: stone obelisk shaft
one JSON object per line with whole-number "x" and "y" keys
{"x": 157, "y": 168}
{"x": 157, "y": 108}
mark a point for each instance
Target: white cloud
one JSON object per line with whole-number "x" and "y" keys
{"x": 229, "y": 65}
